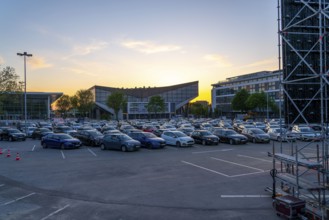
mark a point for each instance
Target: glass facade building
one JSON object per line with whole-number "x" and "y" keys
{"x": 175, "y": 98}
{"x": 223, "y": 92}
{"x": 38, "y": 105}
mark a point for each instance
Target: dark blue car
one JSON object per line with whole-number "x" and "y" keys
{"x": 148, "y": 140}
{"x": 60, "y": 140}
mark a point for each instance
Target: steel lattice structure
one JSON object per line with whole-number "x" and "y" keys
{"x": 303, "y": 28}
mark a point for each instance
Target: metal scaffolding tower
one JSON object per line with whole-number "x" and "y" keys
{"x": 301, "y": 168}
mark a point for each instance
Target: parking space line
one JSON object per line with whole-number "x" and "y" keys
{"x": 210, "y": 151}
{"x": 55, "y": 212}
{"x": 269, "y": 161}
{"x": 63, "y": 154}
{"x": 247, "y": 174}
{"x": 204, "y": 168}
{"x": 92, "y": 152}
{"x": 2, "y": 185}
{"x": 238, "y": 164}
{"x": 33, "y": 148}
{"x": 15, "y": 200}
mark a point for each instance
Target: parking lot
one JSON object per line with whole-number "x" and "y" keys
{"x": 200, "y": 182}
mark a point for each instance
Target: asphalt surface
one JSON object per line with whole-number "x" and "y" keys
{"x": 200, "y": 182}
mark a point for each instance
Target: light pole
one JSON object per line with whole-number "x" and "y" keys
{"x": 25, "y": 54}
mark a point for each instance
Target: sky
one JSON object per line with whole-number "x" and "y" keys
{"x": 77, "y": 44}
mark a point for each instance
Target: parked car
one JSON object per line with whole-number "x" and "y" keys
{"x": 90, "y": 137}
{"x": 148, "y": 140}
{"x": 305, "y": 133}
{"x": 64, "y": 129}
{"x": 120, "y": 142}
{"x": 177, "y": 138}
{"x": 60, "y": 140}
{"x": 12, "y": 134}
{"x": 204, "y": 137}
{"x": 281, "y": 134}
{"x": 256, "y": 135}
{"x": 230, "y": 136}
{"x": 186, "y": 130}
{"x": 38, "y": 133}
{"x": 30, "y": 131}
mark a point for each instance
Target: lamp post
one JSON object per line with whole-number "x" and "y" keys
{"x": 25, "y": 54}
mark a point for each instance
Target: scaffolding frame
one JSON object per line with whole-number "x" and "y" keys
{"x": 303, "y": 57}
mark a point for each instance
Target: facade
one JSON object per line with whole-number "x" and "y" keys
{"x": 223, "y": 92}
{"x": 176, "y": 97}
{"x": 38, "y": 105}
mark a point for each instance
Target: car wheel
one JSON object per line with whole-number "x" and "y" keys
{"x": 178, "y": 144}
{"x": 254, "y": 140}
{"x": 149, "y": 145}
{"x": 102, "y": 147}
{"x": 44, "y": 145}
{"x": 10, "y": 139}
{"x": 279, "y": 139}
{"x": 203, "y": 142}
{"x": 62, "y": 146}
{"x": 231, "y": 142}
{"x": 123, "y": 148}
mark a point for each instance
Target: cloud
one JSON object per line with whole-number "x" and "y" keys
{"x": 262, "y": 63}
{"x": 82, "y": 50}
{"x": 38, "y": 63}
{"x": 150, "y": 47}
{"x": 79, "y": 71}
{"x": 220, "y": 60}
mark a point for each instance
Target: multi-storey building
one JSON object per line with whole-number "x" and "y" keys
{"x": 176, "y": 97}
{"x": 223, "y": 92}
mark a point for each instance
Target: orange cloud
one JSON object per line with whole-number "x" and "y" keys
{"x": 220, "y": 60}
{"x": 38, "y": 62}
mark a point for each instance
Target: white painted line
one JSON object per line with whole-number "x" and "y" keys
{"x": 33, "y": 148}
{"x": 15, "y": 200}
{"x": 55, "y": 212}
{"x": 63, "y": 154}
{"x": 213, "y": 171}
{"x": 92, "y": 152}
{"x": 2, "y": 185}
{"x": 211, "y": 151}
{"x": 237, "y": 164}
{"x": 245, "y": 196}
{"x": 247, "y": 174}
{"x": 270, "y": 161}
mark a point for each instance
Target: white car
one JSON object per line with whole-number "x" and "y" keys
{"x": 177, "y": 138}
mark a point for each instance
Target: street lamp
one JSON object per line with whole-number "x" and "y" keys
{"x": 25, "y": 54}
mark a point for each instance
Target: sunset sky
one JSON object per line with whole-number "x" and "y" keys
{"x": 77, "y": 44}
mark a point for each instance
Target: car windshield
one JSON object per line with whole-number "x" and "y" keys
{"x": 13, "y": 131}
{"x": 64, "y": 136}
{"x": 306, "y": 129}
{"x": 204, "y": 133}
{"x": 125, "y": 137}
{"x": 180, "y": 134}
{"x": 230, "y": 132}
{"x": 258, "y": 131}
{"x": 149, "y": 135}
{"x": 95, "y": 133}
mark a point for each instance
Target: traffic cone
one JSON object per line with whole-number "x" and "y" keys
{"x": 8, "y": 153}
{"x": 0, "y": 150}
{"x": 17, "y": 156}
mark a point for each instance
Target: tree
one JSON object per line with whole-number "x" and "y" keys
{"x": 239, "y": 101}
{"x": 10, "y": 88}
{"x": 63, "y": 104}
{"x": 83, "y": 101}
{"x": 156, "y": 104}
{"x": 116, "y": 101}
{"x": 199, "y": 110}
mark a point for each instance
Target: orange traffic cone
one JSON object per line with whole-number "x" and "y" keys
{"x": 8, "y": 153}
{"x": 0, "y": 150}
{"x": 17, "y": 156}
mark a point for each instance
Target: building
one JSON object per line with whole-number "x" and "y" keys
{"x": 38, "y": 105}
{"x": 223, "y": 92}
{"x": 176, "y": 97}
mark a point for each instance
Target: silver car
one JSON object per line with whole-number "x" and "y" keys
{"x": 177, "y": 138}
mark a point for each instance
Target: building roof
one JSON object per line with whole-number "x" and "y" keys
{"x": 144, "y": 92}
